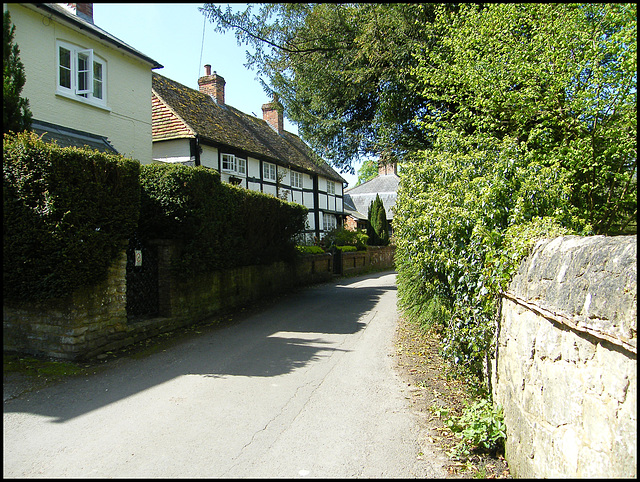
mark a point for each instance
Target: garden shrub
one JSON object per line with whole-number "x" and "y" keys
{"x": 345, "y": 237}
{"x": 66, "y": 213}
{"x": 310, "y": 250}
{"x": 220, "y": 226}
{"x": 347, "y": 249}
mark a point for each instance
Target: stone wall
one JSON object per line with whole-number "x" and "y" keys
{"x": 90, "y": 319}
{"x": 565, "y": 363}
{"x": 375, "y": 257}
{"x": 94, "y": 319}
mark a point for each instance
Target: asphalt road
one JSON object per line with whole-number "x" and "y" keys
{"x": 302, "y": 388}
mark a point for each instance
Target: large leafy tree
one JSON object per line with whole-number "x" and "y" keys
{"x": 558, "y": 81}
{"x": 542, "y": 142}
{"x": 342, "y": 71}
{"x": 16, "y": 116}
{"x": 368, "y": 170}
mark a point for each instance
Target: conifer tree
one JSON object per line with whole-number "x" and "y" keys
{"x": 16, "y": 115}
{"x": 371, "y": 232}
{"x": 377, "y": 227}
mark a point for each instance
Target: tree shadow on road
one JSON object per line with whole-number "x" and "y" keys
{"x": 285, "y": 335}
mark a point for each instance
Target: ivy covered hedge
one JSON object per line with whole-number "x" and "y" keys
{"x": 221, "y": 226}
{"x": 66, "y": 212}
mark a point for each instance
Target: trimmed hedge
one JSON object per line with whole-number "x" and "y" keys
{"x": 221, "y": 226}
{"x": 66, "y": 212}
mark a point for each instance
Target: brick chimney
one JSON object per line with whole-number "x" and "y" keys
{"x": 272, "y": 113}
{"x": 82, "y": 10}
{"x": 212, "y": 85}
{"x": 386, "y": 168}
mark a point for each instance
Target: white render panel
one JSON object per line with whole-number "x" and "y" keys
{"x": 253, "y": 168}
{"x": 311, "y": 221}
{"x": 339, "y": 204}
{"x": 254, "y": 186}
{"x": 322, "y": 201}
{"x": 269, "y": 189}
{"x": 171, "y": 151}
{"x": 308, "y": 200}
{"x": 297, "y": 197}
{"x": 284, "y": 176}
{"x": 209, "y": 157}
{"x": 332, "y": 203}
{"x": 307, "y": 181}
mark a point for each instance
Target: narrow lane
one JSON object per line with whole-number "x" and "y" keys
{"x": 303, "y": 388}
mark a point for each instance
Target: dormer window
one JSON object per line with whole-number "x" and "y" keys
{"x": 81, "y": 74}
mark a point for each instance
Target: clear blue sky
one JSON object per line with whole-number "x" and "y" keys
{"x": 172, "y": 35}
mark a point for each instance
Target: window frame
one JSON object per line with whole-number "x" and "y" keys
{"x": 296, "y": 180}
{"x": 326, "y": 225}
{"x": 268, "y": 166}
{"x": 239, "y": 164}
{"x": 74, "y": 90}
{"x": 331, "y": 187}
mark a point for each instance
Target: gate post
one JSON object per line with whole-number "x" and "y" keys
{"x": 337, "y": 260}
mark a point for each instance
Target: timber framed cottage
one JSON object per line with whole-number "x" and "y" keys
{"x": 197, "y": 128}
{"x": 85, "y": 86}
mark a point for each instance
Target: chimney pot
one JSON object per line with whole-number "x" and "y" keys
{"x": 212, "y": 84}
{"x": 272, "y": 114}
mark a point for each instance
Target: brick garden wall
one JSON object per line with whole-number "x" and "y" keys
{"x": 565, "y": 365}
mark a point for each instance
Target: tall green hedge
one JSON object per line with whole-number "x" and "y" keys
{"x": 221, "y": 226}
{"x": 66, "y": 212}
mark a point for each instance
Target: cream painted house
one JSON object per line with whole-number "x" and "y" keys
{"x": 84, "y": 85}
{"x": 198, "y": 128}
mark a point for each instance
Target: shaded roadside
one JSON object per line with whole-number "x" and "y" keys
{"x": 423, "y": 371}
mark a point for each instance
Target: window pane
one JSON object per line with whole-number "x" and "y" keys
{"x": 65, "y": 67}
{"x": 97, "y": 80}
{"x": 83, "y": 74}
{"x": 242, "y": 166}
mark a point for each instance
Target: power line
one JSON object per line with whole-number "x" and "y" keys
{"x": 204, "y": 23}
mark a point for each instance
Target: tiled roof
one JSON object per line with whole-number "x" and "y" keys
{"x": 182, "y": 112}
{"x": 360, "y": 197}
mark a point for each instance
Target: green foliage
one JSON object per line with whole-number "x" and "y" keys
{"x": 341, "y": 70}
{"x": 310, "y": 249}
{"x": 347, "y": 249}
{"x": 345, "y": 237}
{"x": 66, "y": 213}
{"x": 16, "y": 116}
{"x": 560, "y": 82}
{"x": 377, "y": 225}
{"x": 541, "y": 144}
{"x": 221, "y": 226}
{"x": 481, "y": 428}
{"x": 368, "y": 170}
